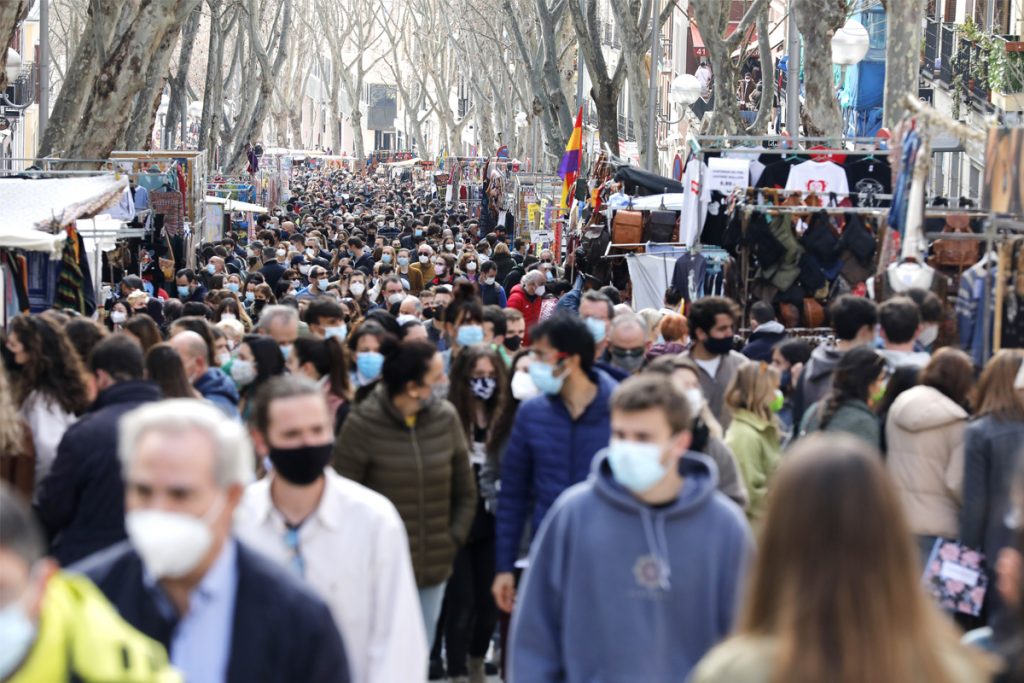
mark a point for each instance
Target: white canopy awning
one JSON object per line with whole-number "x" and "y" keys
{"x": 31, "y": 207}
{"x": 235, "y": 205}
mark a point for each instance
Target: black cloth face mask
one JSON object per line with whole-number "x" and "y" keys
{"x": 303, "y": 465}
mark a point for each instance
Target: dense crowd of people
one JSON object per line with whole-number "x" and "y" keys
{"x": 383, "y": 441}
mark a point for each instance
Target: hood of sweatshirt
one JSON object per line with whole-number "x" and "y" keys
{"x": 823, "y": 362}
{"x": 215, "y": 382}
{"x": 700, "y": 477}
{"x": 922, "y": 408}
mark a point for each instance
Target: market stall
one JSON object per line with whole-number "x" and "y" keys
{"x": 44, "y": 260}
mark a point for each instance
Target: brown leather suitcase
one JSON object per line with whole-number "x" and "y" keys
{"x": 814, "y": 314}
{"x": 628, "y": 227}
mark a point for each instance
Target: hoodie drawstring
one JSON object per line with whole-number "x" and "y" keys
{"x": 654, "y": 531}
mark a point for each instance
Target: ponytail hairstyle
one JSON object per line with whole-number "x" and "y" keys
{"x": 330, "y": 359}
{"x": 857, "y": 370}
{"x": 466, "y": 305}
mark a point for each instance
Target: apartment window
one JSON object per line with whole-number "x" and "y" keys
{"x": 975, "y": 188}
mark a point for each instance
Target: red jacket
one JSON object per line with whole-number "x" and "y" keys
{"x": 528, "y": 305}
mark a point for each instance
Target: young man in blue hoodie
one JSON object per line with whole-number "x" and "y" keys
{"x": 635, "y": 572}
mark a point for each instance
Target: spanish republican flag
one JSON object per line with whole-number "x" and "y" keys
{"x": 569, "y": 169}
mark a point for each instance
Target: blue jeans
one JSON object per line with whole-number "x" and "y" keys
{"x": 431, "y": 598}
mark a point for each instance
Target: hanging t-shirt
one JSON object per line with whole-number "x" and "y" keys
{"x": 820, "y": 177}
{"x": 869, "y": 177}
{"x": 690, "y": 219}
{"x": 776, "y": 174}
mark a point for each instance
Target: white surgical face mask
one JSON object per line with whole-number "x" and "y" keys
{"x": 223, "y": 358}
{"x": 243, "y": 372}
{"x": 228, "y": 316}
{"x": 118, "y": 317}
{"x": 17, "y": 634}
{"x": 523, "y": 387}
{"x": 539, "y": 291}
{"x": 357, "y": 289}
{"x": 695, "y": 399}
{"x": 171, "y": 544}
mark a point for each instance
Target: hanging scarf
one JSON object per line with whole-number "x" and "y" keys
{"x": 70, "y": 294}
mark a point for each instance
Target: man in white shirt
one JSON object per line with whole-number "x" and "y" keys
{"x": 346, "y": 541}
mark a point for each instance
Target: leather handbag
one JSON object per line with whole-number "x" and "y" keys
{"x": 662, "y": 226}
{"x": 956, "y": 253}
{"x": 789, "y": 314}
{"x": 628, "y": 227}
{"x": 167, "y": 264}
{"x": 814, "y": 314}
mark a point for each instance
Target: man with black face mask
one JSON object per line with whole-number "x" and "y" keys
{"x": 309, "y": 518}
{"x": 712, "y": 325}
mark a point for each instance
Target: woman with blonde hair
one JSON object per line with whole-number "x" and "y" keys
{"x": 992, "y": 455}
{"x": 836, "y": 589}
{"x": 652, "y": 319}
{"x": 754, "y": 437}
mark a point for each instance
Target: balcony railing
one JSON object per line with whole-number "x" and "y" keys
{"x": 990, "y": 67}
{"x": 24, "y": 90}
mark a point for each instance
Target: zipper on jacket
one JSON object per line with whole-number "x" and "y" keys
{"x": 419, "y": 494}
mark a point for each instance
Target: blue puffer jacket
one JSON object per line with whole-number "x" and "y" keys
{"x": 218, "y": 389}
{"x": 547, "y": 453}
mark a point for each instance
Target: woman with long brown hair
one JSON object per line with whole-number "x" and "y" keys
{"x": 479, "y": 390}
{"x": 51, "y": 386}
{"x": 835, "y": 594}
{"x": 164, "y": 367}
{"x": 992, "y": 453}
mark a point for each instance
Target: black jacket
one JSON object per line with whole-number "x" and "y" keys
{"x": 282, "y": 632}
{"x": 272, "y": 272}
{"x": 364, "y": 263}
{"x": 762, "y": 341}
{"x": 81, "y": 502}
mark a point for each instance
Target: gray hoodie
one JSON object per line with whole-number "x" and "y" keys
{"x": 815, "y": 380}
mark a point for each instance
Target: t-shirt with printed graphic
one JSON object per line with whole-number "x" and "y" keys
{"x": 869, "y": 177}
{"x": 820, "y": 177}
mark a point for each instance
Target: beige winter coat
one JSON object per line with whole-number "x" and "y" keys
{"x": 925, "y": 438}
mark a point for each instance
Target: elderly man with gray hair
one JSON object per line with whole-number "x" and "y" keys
{"x": 223, "y": 611}
{"x": 280, "y": 323}
{"x": 526, "y": 298}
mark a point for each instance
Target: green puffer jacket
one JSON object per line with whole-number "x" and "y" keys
{"x": 423, "y": 470}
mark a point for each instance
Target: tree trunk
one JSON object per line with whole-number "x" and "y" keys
{"x": 253, "y": 124}
{"x": 178, "y": 103}
{"x": 818, "y": 21}
{"x": 356, "y": 120}
{"x": 902, "y": 56}
{"x": 12, "y": 13}
{"x": 107, "y": 20}
{"x": 140, "y": 127}
{"x": 123, "y": 76}
{"x": 606, "y": 103}
{"x": 764, "y": 112}
{"x": 213, "y": 95}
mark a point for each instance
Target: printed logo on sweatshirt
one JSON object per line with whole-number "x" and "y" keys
{"x": 648, "y": 572}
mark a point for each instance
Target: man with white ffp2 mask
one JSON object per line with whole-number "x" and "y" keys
{"x": 184, "y": 580}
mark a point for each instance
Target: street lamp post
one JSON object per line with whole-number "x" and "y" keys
{"x": 793, "y": 79}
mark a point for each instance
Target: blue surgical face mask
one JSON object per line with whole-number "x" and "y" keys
{"x": 419, "y": 233}
{"x": 286, "y": 350}
{"x": 210, "y": 268}
{"x": 636, "y": 465}
{"x": 543, "y": 375}
{"x": 233, "y": 286}
{"x": 385, "y": 258}
{"x": 369, "y": 364}
{"x": 250, "y": 296}
{"x": 338, "y": 332}
{"x": 322, "y": 284}
{"x": 598, "y": 329}
{"x": 469, "y": 335}
{"x": 550, "y": 276}
{"x": 17, "y": 633}
{"x": 403, "y": 261}
{"x": 183, "y": 290}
